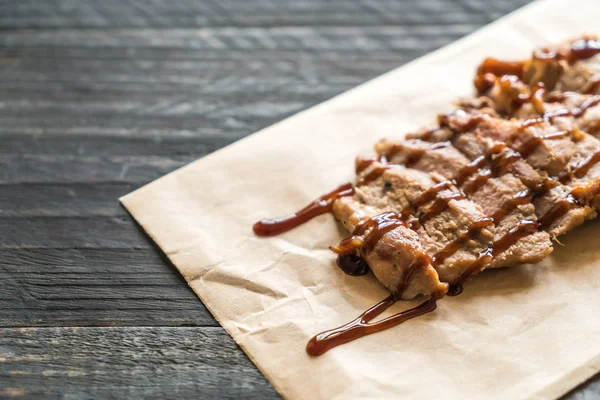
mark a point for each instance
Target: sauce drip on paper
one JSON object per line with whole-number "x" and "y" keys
{"x": 322, "y": 205}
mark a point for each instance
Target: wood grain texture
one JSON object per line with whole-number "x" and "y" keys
{"x": 147, "y": 362}
{"x": 98, "y": 98}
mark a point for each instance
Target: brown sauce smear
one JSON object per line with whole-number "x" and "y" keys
{"x": 322, "y": 205}
{"x": 583, "y": 49}
{"x": 414, "y": 155}
{"x": 492, "y": 68}
{"x": 575, "y": 112}
{"x": 584, "y": 166}
{"x": 443, "y": 120}
{"x": 352, "y": 264}
{"x": 428, "y": 134}
{"x": 364, "y": 239}
{"x": 440, "y": 204}
{"x": 593, "y": 87}
{"x": 364, "y": 163}
{"x": 505, "y": 157}
{"x": 559, "y": 210}
{"x": 521, "y": 198}
{"x": 523, "y": 229}
{"x": 500, "y": 68}
{"x": 363, "y": 326}
{"x": 535, "y": 98}
{"x": 373, "y": 175}
{"x": 544, "y": 187}
{"x": 382, "y": 224}
{"x": 455, "y": 245}
{"x": 427, "y": 196}
{"x": 534, "y": 142}
{"x": 379, "y": 226}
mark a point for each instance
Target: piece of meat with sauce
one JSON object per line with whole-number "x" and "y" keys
{"x": 570, "y": 66}
{"x": 570, "y": 159}
{"x": 512, "y": 98}
{"x": 489, "y": 126}
{"x": 394, "y": 255}
{"x": 498, "y": 192}
{"x": 452, "y": 230}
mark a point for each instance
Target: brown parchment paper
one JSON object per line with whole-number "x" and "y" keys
{"x": 527, "y": 332}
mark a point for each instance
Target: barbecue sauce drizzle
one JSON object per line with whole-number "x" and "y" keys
{"x": 322, "y": 205}
{"x": 383, "y": 223}
{"x": 363, "y": 326}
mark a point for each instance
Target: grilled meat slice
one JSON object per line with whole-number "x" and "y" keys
{"x": 512, "y": 98}
{"x": 546, "y": 155}
{"x": 452, "y": 230}
{"x": 569, "y": 158}
{"x": 491, "y": 185}
{"x": 397, "y": 259}
{"x": 571, "y": 66}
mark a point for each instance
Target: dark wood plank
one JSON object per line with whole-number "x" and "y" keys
{"x": 113, "y": 232}
{"x": 92, "y": 363}
{"x": 95, "y": 287}
{"x": 61, "y": 169}
{"x": 63, "y": 199}
{"x": 190, "y": 13}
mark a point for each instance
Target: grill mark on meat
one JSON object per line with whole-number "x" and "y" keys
{"x": 321, "y": 205}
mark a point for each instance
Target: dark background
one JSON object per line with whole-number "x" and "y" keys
{"x": 98, "y": 98}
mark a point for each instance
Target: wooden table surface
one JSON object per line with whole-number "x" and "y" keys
{"x": 98, "y": 98}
